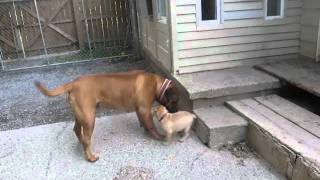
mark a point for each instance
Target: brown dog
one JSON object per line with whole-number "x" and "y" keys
{"x": 131, "y": 91}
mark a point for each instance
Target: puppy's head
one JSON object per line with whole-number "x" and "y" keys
{"x": 171, "y": 98}
{"x": 160, "y": 111}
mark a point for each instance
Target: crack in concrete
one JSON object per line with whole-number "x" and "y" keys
{"x": 49, "y": 164}
{"x": 198, "y": 157}
{"x": 61, "y": 132}
{"x": 11, "y": 150}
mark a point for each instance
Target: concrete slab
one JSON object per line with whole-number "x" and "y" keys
{"x": 226, "y": 82}
{"x": 218, "y": 126}
{"x": 302, "y": 74}
{"x": 52, "y": 152}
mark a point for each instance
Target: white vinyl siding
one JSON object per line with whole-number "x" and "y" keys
{"x": 310, "y": 33}
{"x": 243, "y": 37}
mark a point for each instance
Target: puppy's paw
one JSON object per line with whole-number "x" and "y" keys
{"x": 93, "y": 158}
{"x": 182, "y": 139}
{"x": 165, "y": 143}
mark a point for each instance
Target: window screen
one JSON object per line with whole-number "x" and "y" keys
{"x": 273, "y": 7}
{"x": 209, "y": 9}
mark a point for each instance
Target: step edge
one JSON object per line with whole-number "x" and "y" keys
{"x": 212, "y": 93}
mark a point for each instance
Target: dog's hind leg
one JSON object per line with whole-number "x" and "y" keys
{"x": 84, "y": 112}
{"x": 88, "y": 126}
{"x": 77, "y": 123}
{"x": 78, "y": 129}
{"x": 185, "y": 134}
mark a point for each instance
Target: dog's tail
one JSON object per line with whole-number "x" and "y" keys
{"x": 55, "y": 92}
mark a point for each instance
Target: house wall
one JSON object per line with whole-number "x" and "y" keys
{"x": 310, "y": 33}
{"x": 154, "y": 37}
{"x": 243, "y": 38}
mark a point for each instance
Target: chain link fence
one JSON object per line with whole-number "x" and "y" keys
{"x": 37, "y": 33}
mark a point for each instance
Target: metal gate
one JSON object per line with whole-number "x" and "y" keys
{"x": 44, "y": 32}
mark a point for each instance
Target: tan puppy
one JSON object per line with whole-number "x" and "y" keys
{"x": 174, "y": 122}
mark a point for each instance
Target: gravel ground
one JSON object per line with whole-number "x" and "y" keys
{"x": 21, "y": 105}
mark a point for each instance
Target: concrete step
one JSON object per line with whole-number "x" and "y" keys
{"x": 284, "y": 134}
{"x": 218, "y": 126}
{"x": 302, "y": 74}
{"x": 215, "y": 87}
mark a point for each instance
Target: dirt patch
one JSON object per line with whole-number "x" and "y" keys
{"x": 241, "y": 151}
{"x": 134, "y": 173}
{"x": 21, "y": 105}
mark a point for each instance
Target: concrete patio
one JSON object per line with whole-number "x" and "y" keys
{"x": 126, "y": 152}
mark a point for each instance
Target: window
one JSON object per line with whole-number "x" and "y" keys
{"x": 161, "y": 7}
{"x": 208, "y": 12}
{"x": 150, "y": 7}
{"x": 274, "y": 9}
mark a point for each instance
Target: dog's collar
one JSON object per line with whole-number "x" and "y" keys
{"x": 164, "y": 87}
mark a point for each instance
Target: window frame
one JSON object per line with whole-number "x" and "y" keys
{"x": 208, "y": 23}
{"x": 274, "y": 17}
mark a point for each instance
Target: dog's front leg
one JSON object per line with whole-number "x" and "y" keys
{"x": 145, "y": 118}
{"x": 168, "y": 139}
{"x": 141, "y": 123}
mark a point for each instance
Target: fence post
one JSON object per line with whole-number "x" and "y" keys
{"x": 78, "y": 20}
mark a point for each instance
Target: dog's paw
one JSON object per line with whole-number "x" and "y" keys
{"x": 182, "y": 139}
{"x": 93, "y": 158}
